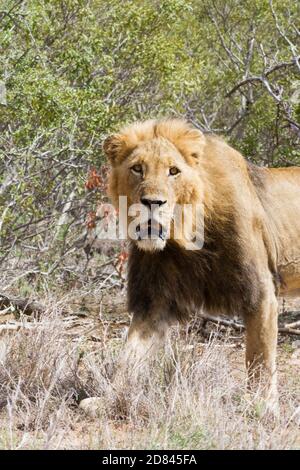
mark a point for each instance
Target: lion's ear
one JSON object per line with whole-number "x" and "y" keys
{"x": 191, "y": 145}
{"x": 114, "y": 147}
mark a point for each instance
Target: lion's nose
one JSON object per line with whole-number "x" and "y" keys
{"x": 152, "y": 202}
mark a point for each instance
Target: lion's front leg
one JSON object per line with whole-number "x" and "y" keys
{"x": 133, "y": 369}
{"x": 261, "y": 346}
{"x": 145, "y": 337}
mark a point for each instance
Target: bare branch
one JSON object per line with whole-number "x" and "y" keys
{"x": 262, "y": 79}
{"x": 285, "y": 37}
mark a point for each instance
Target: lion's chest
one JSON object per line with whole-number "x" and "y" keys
{"x": 178, "y": 282}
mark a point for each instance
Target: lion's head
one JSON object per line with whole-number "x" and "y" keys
{"x": 156, "y": 165}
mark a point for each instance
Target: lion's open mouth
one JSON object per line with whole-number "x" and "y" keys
{"x": 150, "y": 230}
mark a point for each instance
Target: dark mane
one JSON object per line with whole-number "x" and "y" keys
{"x": 177, "y": 281}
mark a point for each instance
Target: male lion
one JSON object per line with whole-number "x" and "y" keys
{"x": 251, "y": 248}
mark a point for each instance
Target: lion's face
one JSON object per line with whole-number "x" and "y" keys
{"x": 152, "y": 178}
{"x": 156, "y": 178}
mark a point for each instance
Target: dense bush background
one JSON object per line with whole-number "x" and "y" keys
{"x": 71, "y": 71}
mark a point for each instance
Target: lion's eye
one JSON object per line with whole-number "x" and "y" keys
{"x": 174, "y": 171}
{"x": 137, "y": 169}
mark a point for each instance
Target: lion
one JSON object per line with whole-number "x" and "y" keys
{"x": 250, "y": 252}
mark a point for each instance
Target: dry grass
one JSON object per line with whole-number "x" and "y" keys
{"x": 193, "y": 397}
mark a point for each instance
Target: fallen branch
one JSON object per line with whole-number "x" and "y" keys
{"x": 285, "y": 330}
{"x": 6, "y": 311}
{"x": 288, "y": 331}
{"x": 292, "y": 325}
{"x": 220, "y": 321}
{"x": 23, "y": 305}
{"x": 15, "y": 326}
